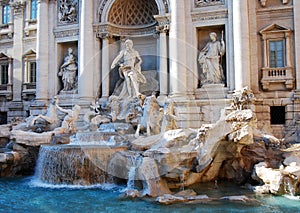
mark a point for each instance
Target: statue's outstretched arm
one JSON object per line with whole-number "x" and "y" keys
{"x": 117, "y": 59}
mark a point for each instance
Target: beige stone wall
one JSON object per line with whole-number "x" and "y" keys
{"x": 183, "y": 38}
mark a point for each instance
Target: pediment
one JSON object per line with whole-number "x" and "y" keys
{"x": 4, "y": 56}
{"x": 29, "y": 52}
{"x": 273, "y": 28}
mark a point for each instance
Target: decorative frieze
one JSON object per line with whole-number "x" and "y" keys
{"x": 67, "y": 11}
{"x": 105, "y": 30}
{"x": 204, "y": 3}
{"x": 66, "y": 33}
{"x": 223, "y": 14}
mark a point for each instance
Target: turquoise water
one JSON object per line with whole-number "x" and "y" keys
{"x": 26, "y": 195}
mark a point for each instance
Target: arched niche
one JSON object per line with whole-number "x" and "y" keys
{"x": 134, "y": 19}
{"x": 104, "y": 7}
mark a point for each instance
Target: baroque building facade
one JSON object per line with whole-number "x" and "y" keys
{"x": 65, "y": 48}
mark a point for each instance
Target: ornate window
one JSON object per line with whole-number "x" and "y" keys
{"x": 31, "y": 18}
{"x": 32, "y": 72}
{"x": 33, "y": 9}
{"x": 5, "y": 75}
{"x": 277, "y": 70}
{"x": 30, "y": 66}
{"x": 5, "y": 14}
{"x": 29, "y": 85}
{"x": 276, "y": 52}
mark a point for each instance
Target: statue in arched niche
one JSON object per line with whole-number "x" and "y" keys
{"x": 129, "y": 70}
{"x": 210, "y": 60}
{"x": 68, "y": 71}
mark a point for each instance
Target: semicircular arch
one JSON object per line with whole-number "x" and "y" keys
{"x": 105, "y": 6}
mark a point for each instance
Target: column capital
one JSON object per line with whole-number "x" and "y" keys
{"x": 104, "y": 35}
{"x": 18, "y": 7}
{"x": 163, "y": 23}
{"x": 163, "y": 28}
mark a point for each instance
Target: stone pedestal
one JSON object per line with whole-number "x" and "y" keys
{"x": 211, "y": 91}
{"x": 15, "y": 110}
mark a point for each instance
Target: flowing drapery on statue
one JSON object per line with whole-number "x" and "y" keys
{"x": 129, "y": 70}
{"x": 68, "y": 71}
{"x": 210, "y": 60}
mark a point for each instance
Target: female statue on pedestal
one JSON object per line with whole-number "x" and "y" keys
{"x": 129, "y": 70}
{"x": 68, "y": 71}
{"x": 210, "y": 60}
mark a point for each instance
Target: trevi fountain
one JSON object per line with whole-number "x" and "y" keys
{"x": 127, "y": 153}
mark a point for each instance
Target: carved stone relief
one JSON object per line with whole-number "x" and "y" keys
{"x": 67, "y": 11}
{"x": 202, "y": 3}
{"x": 18, "y": 7}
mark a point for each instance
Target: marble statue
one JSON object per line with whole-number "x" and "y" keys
{"x": 47, "y": 122}
{"x": 69, "y": 124}
{"x": 68, "y": 71}
{"x": 242, "y": 99}
{"x": 210, "y": 60}
{"x": 152, "y": 116}
{"x": 129, "y": 70}
{"x": 67, "y": 11}
{"x": 169, "y": 118}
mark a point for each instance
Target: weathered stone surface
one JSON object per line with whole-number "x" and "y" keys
{"x": 19, "y": 161}
{"x": 31, "y": 138}
{"x": 183, "y": 196}
{"x": 5, "y": 130}
{"x": 149, "y": 171}
{"x": 241, "y": 198}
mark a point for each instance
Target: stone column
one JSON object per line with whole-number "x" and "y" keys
{"x": 18, "y": 9}
{"x": 241, "y": 43}
{"x": 42, "y": 75}
{"x": 163, "y": 29}
{"x": 163, "y": 64}
{"x": 297, "y": 57}
{"x": 177, "y": 36}
{"x": 297, "y": 42}
{"x": 105, "y": 67}
{"x": 86, "y": 54}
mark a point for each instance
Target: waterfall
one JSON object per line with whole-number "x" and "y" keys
{"x": 135, "y": 161}
{"x": 289, "y": 188}
{"x": 71, "y": 164}
{"x": 131, "y": 177}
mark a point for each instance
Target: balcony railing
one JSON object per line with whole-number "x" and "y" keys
{"x": 29, "y": 90}
{"x": 6, "y": 90}
{"x": 277, "y": 78}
